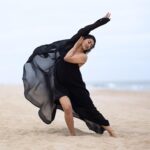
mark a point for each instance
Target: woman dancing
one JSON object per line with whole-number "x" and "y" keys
{"x": 52, "y": 79}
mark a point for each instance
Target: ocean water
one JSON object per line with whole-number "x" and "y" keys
{"x": 128, "y": 85}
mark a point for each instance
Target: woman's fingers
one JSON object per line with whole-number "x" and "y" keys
{"x": 78, "y": 43}
{"x": 80, "y": 39}
{"x": 108, "y": 15}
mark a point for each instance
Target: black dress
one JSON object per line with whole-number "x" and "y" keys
{"x": 47, "y": 77}
{"x": 69, "y": 82}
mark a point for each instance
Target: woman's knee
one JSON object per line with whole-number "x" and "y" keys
{"x": 66, "y": 104}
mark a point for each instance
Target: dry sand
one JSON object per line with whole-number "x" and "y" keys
{"x": 22, "y": 129}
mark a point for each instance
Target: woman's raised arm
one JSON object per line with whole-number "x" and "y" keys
{"x": 86, "y": 30}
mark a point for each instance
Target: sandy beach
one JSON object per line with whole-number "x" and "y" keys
{"x": 22, "y": 129}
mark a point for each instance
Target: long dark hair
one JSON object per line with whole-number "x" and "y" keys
{"x": 89, "y": 36}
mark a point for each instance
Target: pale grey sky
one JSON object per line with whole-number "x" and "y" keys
{"x": 122, "y": 51}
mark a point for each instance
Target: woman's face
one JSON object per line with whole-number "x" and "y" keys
{"x": 87, "y": 44}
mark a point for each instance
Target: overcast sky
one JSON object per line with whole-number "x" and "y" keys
{"x": 122, "y": 52}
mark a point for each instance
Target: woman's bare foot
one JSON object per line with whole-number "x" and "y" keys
{"x": 110, "y": 131}
{"x": 72, "y": 134}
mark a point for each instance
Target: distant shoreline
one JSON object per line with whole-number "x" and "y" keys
{"x": 114, "y": 86}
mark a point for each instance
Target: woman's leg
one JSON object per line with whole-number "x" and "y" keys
{"x": 68, "y": 113}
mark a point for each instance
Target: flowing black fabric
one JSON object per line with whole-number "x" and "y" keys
{"x": 42, "y": 87}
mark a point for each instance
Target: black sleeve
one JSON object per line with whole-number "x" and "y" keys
{"x": 86, "y": 30}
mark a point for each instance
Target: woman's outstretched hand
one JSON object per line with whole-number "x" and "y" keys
{"x": 108, "y": 15}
